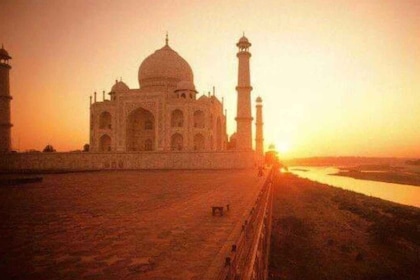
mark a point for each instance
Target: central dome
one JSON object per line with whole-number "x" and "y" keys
{"x": 164, "y": 65}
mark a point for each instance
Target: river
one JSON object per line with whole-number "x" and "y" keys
{"x": 403, "y": 194}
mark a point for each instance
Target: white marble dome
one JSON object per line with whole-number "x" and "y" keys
{"x": 164, "y": 65}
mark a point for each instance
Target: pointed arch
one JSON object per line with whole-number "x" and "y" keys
{"x": 177, "y": 142}
{"x": 199, "y": 119}
{"x": 140, "y": 127}
{"x": 148, "y": 145}
{"x": 199, "y": 142}
{"x": 177, "y": 118}
{"x": 105, "y": 143}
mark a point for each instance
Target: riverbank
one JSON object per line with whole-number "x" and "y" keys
{"x": 395, "y": 177}
{"x": 322, "y": 232}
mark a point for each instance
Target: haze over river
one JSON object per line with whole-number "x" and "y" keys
{"x": 404, "y": 194}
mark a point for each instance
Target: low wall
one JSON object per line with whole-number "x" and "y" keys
{"x": 247, "y": 257}
{"x": 149, "y": 160}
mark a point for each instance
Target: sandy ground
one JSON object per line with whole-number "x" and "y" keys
{"x": 120, "y": 225}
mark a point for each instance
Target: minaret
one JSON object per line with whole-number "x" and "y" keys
{"x": 5, "y": 98}
{"x": 259, "y": 137}
{"x": 243, "y": 116}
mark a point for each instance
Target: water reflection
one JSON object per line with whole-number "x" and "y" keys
{"x": 404, "y": 194}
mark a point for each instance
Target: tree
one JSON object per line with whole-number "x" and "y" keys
{"x": 48, "y": 149}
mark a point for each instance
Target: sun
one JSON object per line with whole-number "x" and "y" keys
{"x": 283, "y": 147}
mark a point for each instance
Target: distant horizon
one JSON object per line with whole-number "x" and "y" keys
{"x": 336, "y": 78}
{"x": 355, "y": 157}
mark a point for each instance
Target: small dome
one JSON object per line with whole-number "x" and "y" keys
{"x": 243, "y": 39}
{"x": 185, "y": 85}
{"x": 204, "y": 98}
{"x": 4, "y": 54}
{"x": 119, "y": 86}
{"x": 163, "y": 65}
{"x": 243, "y": 42}
{"x": 258, "y": 100}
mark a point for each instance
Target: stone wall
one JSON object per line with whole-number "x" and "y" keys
{"x": 148, "y": 160}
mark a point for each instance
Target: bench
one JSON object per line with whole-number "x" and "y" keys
{"x": 219, "y": 209}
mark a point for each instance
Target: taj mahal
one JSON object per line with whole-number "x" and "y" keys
{"x": 161, "y": 124}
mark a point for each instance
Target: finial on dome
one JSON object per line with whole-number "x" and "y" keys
{"x": 166, "y": 39}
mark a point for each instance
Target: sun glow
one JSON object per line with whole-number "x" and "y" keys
{"x": 335, "y": 79}
{"x": 281, "y": 147}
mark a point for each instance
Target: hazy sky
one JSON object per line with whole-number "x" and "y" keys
{"x": 336, "y": 77}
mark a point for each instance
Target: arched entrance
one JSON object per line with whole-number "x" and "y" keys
{"x": 140, "y": 131}
{"x": 177, "y": 142}
{"x": 148, "y": 145}
{"x": 105, "y": 143}
{"x": 177, "y": 118}
{"x": 198, "y": 119}
{"x": 199, "y": 142}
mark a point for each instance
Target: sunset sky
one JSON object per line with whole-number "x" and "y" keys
{"x": 337, "y": 78}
